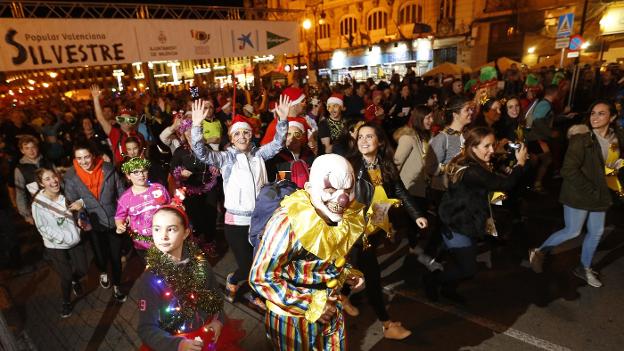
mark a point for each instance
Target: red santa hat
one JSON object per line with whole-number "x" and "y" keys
{"x": 336, "y": 99}
{"x": 126, "y": 112}
{"x": 239, "y": 122}
{"x": 296, "y": 95}
{"x": 299, "y": 123}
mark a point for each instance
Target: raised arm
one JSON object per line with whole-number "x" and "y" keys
{"x": 281, "y": 128}
{"x": 106, "y": 124}
{"x": 199, "y": 147}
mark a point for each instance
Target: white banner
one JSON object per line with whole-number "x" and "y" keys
{"x": 54, "y": 43}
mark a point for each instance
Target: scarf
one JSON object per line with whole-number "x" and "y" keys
{"x": 92, "y": 180}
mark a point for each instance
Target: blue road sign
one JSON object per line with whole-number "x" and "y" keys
{"x": 576, "y": 41}
{"x": 565, "y": 25}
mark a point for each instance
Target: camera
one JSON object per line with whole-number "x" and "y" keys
{"x": 515, "y": 146}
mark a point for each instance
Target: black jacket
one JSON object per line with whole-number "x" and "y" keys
{"x": 464, "y": 207}
{"x": 395, "y": 189}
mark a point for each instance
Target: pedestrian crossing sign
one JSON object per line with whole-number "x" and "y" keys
{"x": 565, "y": 25}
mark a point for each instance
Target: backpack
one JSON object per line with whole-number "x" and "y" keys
{"x": 299, "y": 173}
{"x": 267, "y": 201}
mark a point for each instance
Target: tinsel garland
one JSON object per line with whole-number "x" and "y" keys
{"x": 195, "y": 189}
{"x": 187, "y": 288}
{"x": 135, "y": 163}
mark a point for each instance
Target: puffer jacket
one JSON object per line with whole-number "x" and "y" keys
{"x": 249, "y": 168}
{"x": 101, "y": 212}
{"x": 583, "y": 171}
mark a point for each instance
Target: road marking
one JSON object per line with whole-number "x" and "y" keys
{"x": 486, "y": 323}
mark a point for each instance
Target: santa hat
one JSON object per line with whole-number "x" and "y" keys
{"x": 299, "y": 123}
{"x": 239, "y": 122}
{"x": 224, "y": 103}
{"x": 126, "y": 112}
{"x": 296, "y": 95}
{"x": 336, "y": 99}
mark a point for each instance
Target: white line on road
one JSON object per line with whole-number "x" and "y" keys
{"x": 486, "y": 323}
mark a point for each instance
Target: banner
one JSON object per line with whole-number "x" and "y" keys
{"x": 54, "y": 43}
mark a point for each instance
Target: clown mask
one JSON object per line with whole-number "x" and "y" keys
{"x": 331, "y": 185}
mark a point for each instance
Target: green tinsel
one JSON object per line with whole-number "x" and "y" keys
{"x": 488, "y": 73}
{"x": 135, "y": 163}
{"x": 184, "y": 281}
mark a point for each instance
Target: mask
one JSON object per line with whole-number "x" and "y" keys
{"x": 331, "y": 185}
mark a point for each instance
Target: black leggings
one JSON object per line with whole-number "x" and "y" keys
{"x": 366, "y": 261}
{"x": 202, "y": 211}
{"x": 237, "y": 236}
{"x": 107, "y": 247}
{"x": 71, "y": 265}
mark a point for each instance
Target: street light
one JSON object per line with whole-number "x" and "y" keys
{"x": 307, "y": 24}
{"x": 531, "y": 50}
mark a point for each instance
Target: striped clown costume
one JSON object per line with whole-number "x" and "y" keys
{"x": 301, "y": 262}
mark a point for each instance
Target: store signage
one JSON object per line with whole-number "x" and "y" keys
{"x": 612, "y": 22}
{"x": 55, "y": 43}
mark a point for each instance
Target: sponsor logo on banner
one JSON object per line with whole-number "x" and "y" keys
{"x": 245, "y": 39}
{"x": 164, "y": 49}
{"x": 203, "y": 38}
{"x": 44, "y": 48}
{"x": 274, "y": 40}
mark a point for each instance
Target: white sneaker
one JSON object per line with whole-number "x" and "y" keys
{"x": 104, "y": 282}
{"x": 588, "y": 275}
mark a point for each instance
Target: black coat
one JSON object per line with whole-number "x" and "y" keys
{"x": 464, "y": 207}
{"x": 395, "y": 189}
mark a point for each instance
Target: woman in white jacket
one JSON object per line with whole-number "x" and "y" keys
{"x": 60, "y": 231}
{"x": 244, "y": 173}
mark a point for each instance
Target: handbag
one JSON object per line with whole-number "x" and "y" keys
{"x": 490, "y": 224}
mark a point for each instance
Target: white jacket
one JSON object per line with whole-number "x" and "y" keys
{"x": 55, "y": 222}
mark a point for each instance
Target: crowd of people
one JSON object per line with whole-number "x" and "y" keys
{"x": 131, "y": 172}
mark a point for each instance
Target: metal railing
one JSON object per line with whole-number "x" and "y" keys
{"x": 44, "y": 9}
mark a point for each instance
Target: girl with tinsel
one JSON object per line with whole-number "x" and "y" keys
{"x": 180, "y": 305}
{"x": 199, "y": 180}
{"x": 136, "y": 205}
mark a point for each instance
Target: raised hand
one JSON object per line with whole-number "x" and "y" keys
{"x": 95, "y": 91}
{"x": 199, "y": 112}
{"x": 282, "y": 107}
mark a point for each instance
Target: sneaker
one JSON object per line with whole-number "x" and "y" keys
{"x": 104, "y": 282}
{"x": 118, "y": 295}
{"x": 588, "y": 275}
{"x": 77, "y": 288}
{"x": 536, "y": 259}
{"x": 230, "y": 289}
{"x": 430, "y": 262}
{"x": 66, "y": 310}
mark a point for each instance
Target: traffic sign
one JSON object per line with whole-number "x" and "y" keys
{"x": 565, "y": 26}
{"x": 576, "y": 41}
{"x": 573, "y": 54}
{"x": 562, "y": 43}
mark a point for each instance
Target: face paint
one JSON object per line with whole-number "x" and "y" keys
{"x": 331, "y": 185}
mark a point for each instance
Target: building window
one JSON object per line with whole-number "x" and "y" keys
{"x": 348, "y": 25}
{"x": 447, "y": 9}
{"x": 410, "y": 13}
{"x": 377, "y": 20}
{"x": 323, "y": 30}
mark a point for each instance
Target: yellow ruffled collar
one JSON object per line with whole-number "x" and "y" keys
{"x": 316, "y": 236}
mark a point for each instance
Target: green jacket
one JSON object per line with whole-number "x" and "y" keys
{"x": 583, "y": 171}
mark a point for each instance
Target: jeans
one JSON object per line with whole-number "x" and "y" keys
{"x": 106, "y": 246}
{"x": 574, "y": 219}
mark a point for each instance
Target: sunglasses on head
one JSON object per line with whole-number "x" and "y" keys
{"x": 126, "y": 119}
{"x": 295, "y": 135}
